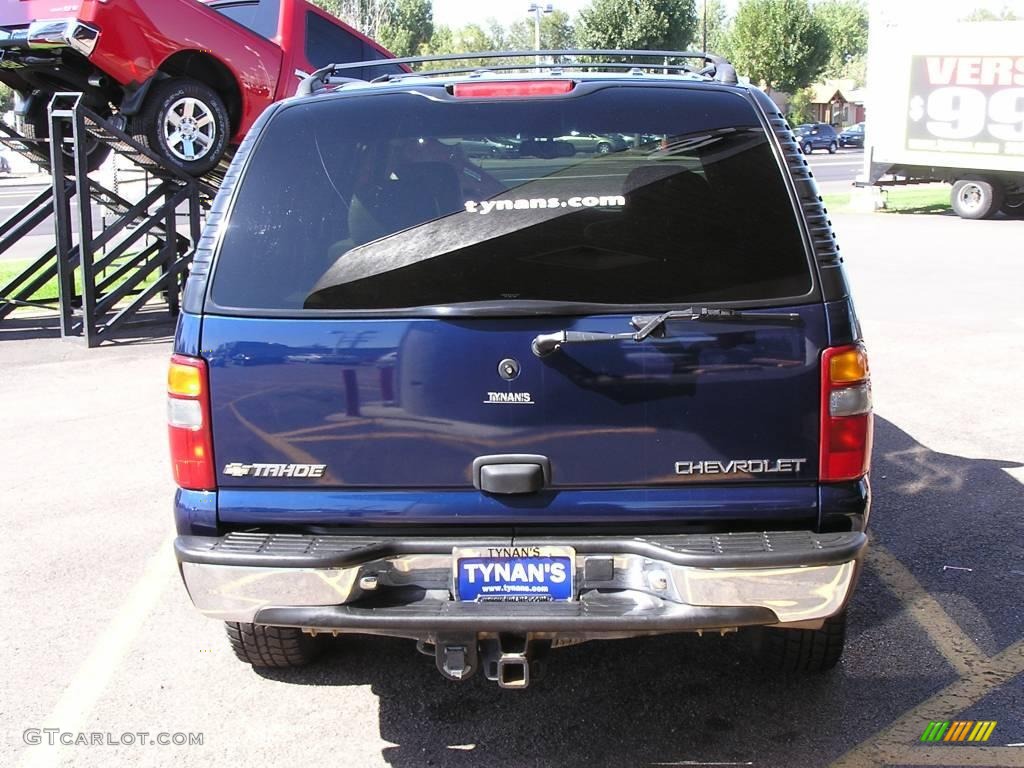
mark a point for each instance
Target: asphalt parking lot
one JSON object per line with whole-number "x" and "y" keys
{"x": 100, "y": 636}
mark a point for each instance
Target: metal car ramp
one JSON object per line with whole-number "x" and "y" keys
{"x": 139, "y": 257}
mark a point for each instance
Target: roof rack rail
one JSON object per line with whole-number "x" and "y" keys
{"x": 716, "y": 67}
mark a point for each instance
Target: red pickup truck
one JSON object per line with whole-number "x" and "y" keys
{"x": 187, "y": 77}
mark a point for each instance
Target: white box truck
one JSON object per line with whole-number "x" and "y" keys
{"x": 946, "y": 104}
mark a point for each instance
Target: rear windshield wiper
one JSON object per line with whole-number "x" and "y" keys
{"x": 645, "y": 325}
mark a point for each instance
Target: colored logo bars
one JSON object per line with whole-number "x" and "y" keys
{"x": 958, "y": 730}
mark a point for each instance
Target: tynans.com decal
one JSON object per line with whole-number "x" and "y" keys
{"x": 534, "y": 203}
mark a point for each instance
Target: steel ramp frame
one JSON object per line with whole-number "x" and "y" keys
{"x": 110, "y": 291}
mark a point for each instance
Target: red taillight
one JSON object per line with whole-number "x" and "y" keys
{"x": 514, "y": 89}
{"x": 846, "y": 424}
{"x": 188, "y": 422}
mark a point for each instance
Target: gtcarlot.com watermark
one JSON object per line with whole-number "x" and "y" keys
{"x": 56, "y": 737}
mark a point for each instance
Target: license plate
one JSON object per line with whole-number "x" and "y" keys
{"x": 514, "y": 574}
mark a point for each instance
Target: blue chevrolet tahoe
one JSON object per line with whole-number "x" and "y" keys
{"x": 503, "y": 403}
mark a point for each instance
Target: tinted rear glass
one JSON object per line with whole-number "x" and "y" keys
{"x": 327, "y": 43}
{"x": 260, "y": 17}
{"x": 625, "y": 195}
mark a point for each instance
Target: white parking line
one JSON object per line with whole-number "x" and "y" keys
{"x": 845, "y": 164}
{"x": 77, "y": 702}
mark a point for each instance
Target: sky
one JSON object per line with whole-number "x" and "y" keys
{"x": 458, "y": 12}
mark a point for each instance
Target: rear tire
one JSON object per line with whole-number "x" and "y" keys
{"x": 271, "y": 647}
{"x": 1013, "y": 206}
{"x": 185, "y": 122}
{"x": 803, "y": 650}
{"x": 976, "y": 198}
{"x": 832, "y": 148}
{"x": 36, "y": 125}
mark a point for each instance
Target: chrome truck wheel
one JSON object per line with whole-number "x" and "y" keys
{"x": 187, "y": 123}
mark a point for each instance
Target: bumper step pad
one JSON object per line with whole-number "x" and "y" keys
{"x": 702, "y": 550}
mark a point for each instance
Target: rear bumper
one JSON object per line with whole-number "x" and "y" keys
{"x": 49, "y": 35}
{"x": 623, "y": 584}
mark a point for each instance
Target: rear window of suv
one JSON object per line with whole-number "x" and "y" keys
{"x": 619, "y": 196}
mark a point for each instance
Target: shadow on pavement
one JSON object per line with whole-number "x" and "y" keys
{"x": 942, "y": 514}
{"x": 666, "y": 700}
{"x": 940, "y": 209}
{"x": 154, "y": 326}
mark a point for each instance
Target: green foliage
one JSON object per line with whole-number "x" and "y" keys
{"x": 800, "y": 107}
{"x": 717, "y": 27}
{"x": 846, "y": 24}
{"x": 409, "y": 28}
{"x": 471, "y": 37}
{"x": 856, "y": 69}
{"x": 638, "y": 24}
{"x": 331, "y": 6}
{"x": 6, "y": 98}
{"x": 556, "y": 31}
{"x": 984, "y": 14}
{"x": 476, "y": 37}
{"x": 441, "y": 41}
{"x": 779, "y": 43}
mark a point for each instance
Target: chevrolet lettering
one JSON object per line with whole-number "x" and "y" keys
{"x": 750, "y": 466}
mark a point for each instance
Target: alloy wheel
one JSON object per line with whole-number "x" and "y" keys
{"x": 190, "y": 129}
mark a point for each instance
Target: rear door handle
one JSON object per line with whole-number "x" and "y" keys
{"x": 511, "y": 473}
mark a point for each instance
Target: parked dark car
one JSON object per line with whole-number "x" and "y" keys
{"x": 812, "y": 136}
{"x": 580, "y": 397}
{"x": 852, "y": 136}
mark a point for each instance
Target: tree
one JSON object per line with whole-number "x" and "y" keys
{"x": 441, "y": 41}
{"x": 800, "y": 109}
{"x": 779, "y": 43}
{"x": 556, "y": 31}
{"x": 466, "y": 39}
{"x": 368, "y": 16}
{"x": 718, "y": 27}
{"x": 984, "y": 14}
{"x": 638, "y": 24}
{"x": 409, "y": 28}
{"x": 476, "y": 37}
{"x": 846, "y": 24}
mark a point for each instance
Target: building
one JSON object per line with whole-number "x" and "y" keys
{"x": 837, "y": 102}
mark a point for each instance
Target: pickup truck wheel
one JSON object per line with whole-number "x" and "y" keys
{"x": 803, "y": 650}
{"x": 186, "y": 122}
{"x": 37, "y": 126}
{"x": 278, "y": 647}
{"x": 976, "y": 198}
